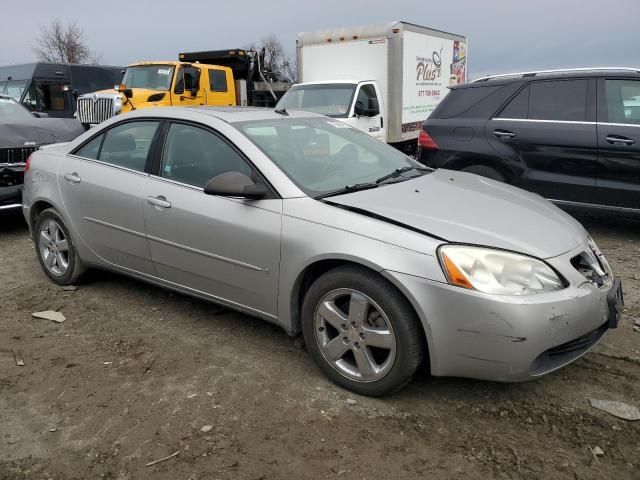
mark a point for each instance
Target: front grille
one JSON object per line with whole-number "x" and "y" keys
{"x": 92, "y": 112}
{"x": 15, "y": 155}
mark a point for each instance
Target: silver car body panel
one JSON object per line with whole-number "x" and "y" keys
{"x": 251, "y": 255}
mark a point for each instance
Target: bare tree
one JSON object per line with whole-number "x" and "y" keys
{"x": 65, "y": 43}
{"x": 276, "y": 60}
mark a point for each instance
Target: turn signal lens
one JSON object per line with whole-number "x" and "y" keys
{"x": 27, "y": 165}
{"x": 456, "y": 277}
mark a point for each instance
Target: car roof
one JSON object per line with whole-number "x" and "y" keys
{"x": 596, "y": 72}
{"x": 226, "y": 114}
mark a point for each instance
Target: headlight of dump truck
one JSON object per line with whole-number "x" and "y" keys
{"x": 117, "y": 105}
{"x": 497, "y": 272}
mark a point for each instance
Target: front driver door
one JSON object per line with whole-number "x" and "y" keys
{"x": 101, "y": 186}
{"x": 368, "y": 99}
{"x": 618, "y": 182}
{"x": 226, "y": 248}
{"x": 187, "y": 82}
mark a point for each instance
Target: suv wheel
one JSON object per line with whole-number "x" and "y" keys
{"x": 485, "y": 171}
{"x": 361, "y": 331}
{"x": 56, "y": 251}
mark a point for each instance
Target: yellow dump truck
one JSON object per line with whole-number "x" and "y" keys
{"x": 220, "y": 78}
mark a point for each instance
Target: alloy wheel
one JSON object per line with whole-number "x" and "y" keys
{"x": 355, "y": 335}
{"x": 54, "y": 248}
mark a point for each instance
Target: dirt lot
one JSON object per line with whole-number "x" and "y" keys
{"x": 135, "y": 372}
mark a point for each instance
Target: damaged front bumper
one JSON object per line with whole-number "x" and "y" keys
{"x": 512, "y": 338}
{"x": 11, "y": 183}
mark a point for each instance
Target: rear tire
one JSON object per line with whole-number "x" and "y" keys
{"x": 57, "y": 254}
{"x": 362, "y": 332}
{"x": 485, "y": 171}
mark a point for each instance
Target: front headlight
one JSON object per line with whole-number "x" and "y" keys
{"x": 117, "y": 105}
{"x": 498, "y": 272}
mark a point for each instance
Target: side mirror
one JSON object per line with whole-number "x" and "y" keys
{"x": 374, "y": 107}
{"x": 40, "y": 114}
{"x": 234, "y": 184}
{"x": 359, "y": 108}
{"x": 128, "y": 93}
{"x": 194, "y": 92}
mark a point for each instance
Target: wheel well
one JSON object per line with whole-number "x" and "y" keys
{"x": 460, "y": 163}
{"x": 36, "y": 209}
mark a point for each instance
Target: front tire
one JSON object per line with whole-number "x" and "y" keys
{"x": 56, "y": 252}
{"x": 361, "y": 331}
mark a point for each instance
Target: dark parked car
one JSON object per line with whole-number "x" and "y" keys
{"x": 573, "y": 136}
{"x": 53, "y": 88}
{"x": 21, "y": 133}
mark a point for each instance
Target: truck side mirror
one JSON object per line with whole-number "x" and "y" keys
{"x": 128, "y": 93}
{"x": 374, "y": 107}
{"x": 358, "y": 109}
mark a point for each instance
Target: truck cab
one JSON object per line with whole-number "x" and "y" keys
{"x": 159, "y": 84}
{"x": 358, "y": 103}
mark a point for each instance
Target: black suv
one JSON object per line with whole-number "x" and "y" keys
{"x": 573, "y": 136}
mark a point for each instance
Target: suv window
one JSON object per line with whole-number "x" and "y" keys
{"x": 128, "y": 145}
{"x": 558, "y": 100}
{"x": 194, "y": 156}
{"x": 218, "y": 80}
{"x": 562, "y": 100}
{"x": 459, "y": 100}
{"x": 623, "y": 101}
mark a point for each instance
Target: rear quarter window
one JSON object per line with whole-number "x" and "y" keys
{"x": 459, "y": 100}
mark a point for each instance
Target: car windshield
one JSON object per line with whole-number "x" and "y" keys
{"x": 324, "y": 156}
{"x": 11, "y": 110}
{"x": 330, "y": 100}
{"x": 151, "y": 77}
{"x": 13, "y": 88}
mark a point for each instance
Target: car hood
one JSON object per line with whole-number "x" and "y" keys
{"x": 38, "y": 131}
{"x": 466, "y": 208}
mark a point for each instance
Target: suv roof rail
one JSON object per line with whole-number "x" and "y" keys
{"x": 563, "y": 70}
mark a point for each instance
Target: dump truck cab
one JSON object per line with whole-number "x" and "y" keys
{"x": 160, "y": 84}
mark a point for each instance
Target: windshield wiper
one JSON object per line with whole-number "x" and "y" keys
{"x": 399, "y": 171}
{"x": 348, "y": 189}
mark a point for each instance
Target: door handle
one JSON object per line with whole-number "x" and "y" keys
{"x": 504, "y": 134}
{"x": 72, "y": 177}
{"x": 617, "y": 140}
{"x": 159, "y": 201}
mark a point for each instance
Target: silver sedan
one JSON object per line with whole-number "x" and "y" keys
{"x": 383, "y": 265}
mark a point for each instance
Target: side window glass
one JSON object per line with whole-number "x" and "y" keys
{"x": 558, "y": 100}
{"x": 194, "y": 156}
{"x": 91, "y": 149}
{"x": 218, "y": 80}
{"x": 623, "y": 101}
{"x": 518, "y": 107}
{"x": 364, "y": 94}
{"x": 187, "y": 79}
{"x": 128, "y": 145}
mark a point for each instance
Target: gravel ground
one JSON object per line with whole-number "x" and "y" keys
{"x": 137, "y": 373}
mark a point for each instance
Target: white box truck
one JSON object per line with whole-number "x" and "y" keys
{"x": 382, "y": 79}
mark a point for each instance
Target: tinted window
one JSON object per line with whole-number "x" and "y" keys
{"x": 366, "y": 92}
{"x": 44, "y": 96}
{"x": 558, "y": 100}
{"x": 218, "y": 80}
{"x": 91, "y": 149}
{"x": 459, "y": 100}
{"x": 518, "y": 107}
{"x": 128, "y": 145}
{"x": 623, "y": 101}
{"x": 87, "y": 79}
{"x": 194, "y": 156}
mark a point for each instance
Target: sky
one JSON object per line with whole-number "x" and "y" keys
{"x": 504, "y": 35}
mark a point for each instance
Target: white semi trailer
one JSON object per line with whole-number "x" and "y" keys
{"x": 382, "y": 79}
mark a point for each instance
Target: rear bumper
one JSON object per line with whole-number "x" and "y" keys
{"x": 508, "y": 338}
